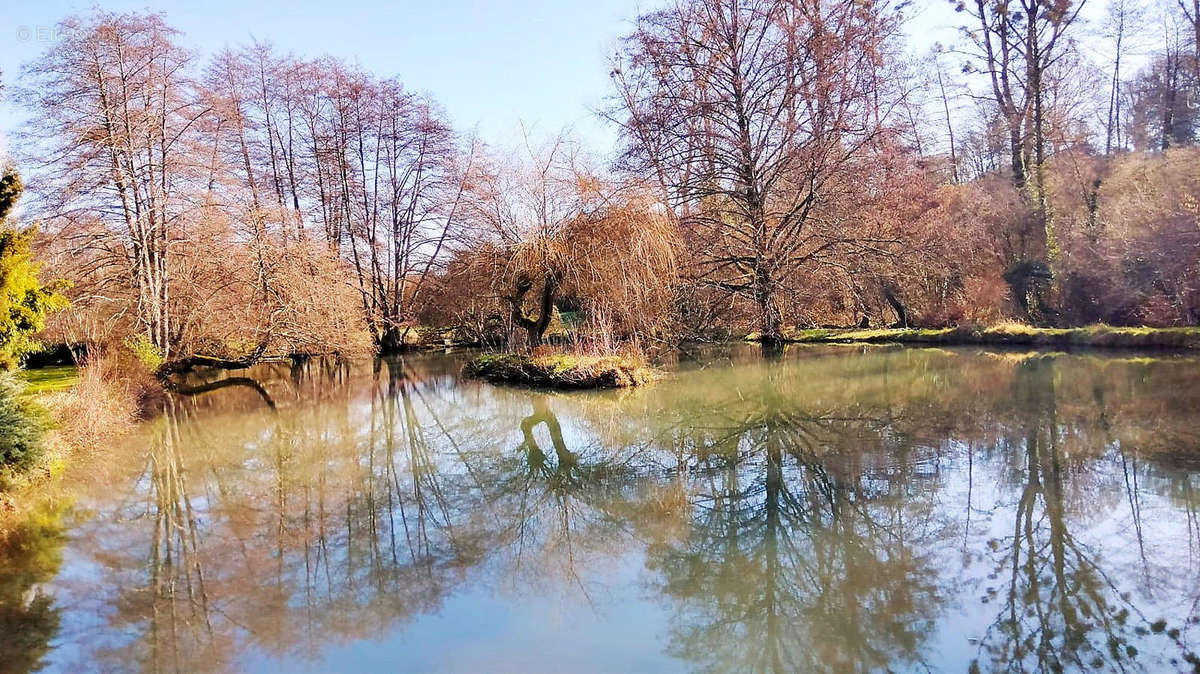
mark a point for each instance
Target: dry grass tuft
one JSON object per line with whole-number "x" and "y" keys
{"x": 104, "y": 403}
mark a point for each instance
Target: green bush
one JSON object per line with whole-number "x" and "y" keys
{"x": 145, "y": 351}
{"x": 22, "y": 425}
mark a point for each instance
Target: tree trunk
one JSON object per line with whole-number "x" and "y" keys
{"x": 535, "y": 328}
{"x": 893, "y": 299}
{"x": 1017, "y": 148}
{"x": 770, "y": 313}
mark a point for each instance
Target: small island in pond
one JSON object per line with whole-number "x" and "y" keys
{"x": 562, "y": 371}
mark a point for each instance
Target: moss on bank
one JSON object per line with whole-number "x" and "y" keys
{"x": 562, "y": 371}
{"x": 1015, "y": 334}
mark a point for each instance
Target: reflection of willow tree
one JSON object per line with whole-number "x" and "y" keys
{"x": 1059, "y": 609}
{"x": 566, "y": 470}
{"x": 554, "y": 503}
{"x": 790, "y": 567}
{"x": 30, "y": 555}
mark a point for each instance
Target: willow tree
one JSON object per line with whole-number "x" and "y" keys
{"x": 752, "y": 116}
{"x": 552, "y": 230}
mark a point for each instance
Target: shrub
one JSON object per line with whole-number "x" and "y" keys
{"x": 24, "y": 302}
{"x": 146, "y": 353}
{"x": 22, "y": 425}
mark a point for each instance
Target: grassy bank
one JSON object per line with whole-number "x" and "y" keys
{"x": 1015, "y": 334}
{"x": 66, "y": 414}
{"x": 562, "y": 371}
{"x": 49, "y": 379}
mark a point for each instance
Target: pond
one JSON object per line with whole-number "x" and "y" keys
{"x": 825, "y": 508}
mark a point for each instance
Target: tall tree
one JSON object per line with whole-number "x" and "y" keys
{"x": 1191, "y": 13}
{"x": 115, "y": 111}
{"x": 1162, "y": 110}
{"x": 1017, "y": 44}
{"x": 1121, "y": 25}
{"x": 945, "y": 97}
{"x": 389, "y": 182}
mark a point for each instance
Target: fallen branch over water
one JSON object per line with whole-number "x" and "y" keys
{"x": 561, "y": 371}
{"x": 246, "y": 382}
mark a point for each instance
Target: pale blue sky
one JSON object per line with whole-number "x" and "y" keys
{"x": 491, "y": 64}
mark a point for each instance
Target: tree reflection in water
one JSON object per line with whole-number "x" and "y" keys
{"x": 1059, "y": 606}
{"x": 30, "y": 555}
{"x": 791, "y": 565}
{"x": 889, "y": 509}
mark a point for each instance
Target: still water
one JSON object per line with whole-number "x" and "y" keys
{"x": 825, "y": 509}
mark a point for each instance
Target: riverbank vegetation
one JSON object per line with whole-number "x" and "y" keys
{"x": 781, "y": 166}
{"x": 50, "y": 421}
{"x": 24, "y": 424}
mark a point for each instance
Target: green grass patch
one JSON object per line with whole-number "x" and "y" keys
{"x": 49, "y": 379}
{"x": 1103, "y": 336}
{"x": 563, "y": 371}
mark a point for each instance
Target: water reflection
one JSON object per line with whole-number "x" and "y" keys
{"x": 31, "y": 556}
{"x": 794, "y": 562}
{"x": 819, "y": 510}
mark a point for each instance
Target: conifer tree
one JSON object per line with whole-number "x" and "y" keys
{"x": 24, "y": 302}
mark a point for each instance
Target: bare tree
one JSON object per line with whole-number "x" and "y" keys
{"x": 945, "y": 97}
{"x": 398, "y": 183}
{"x": 1122, "y": 23}
{"x": 1191, "y": 13}
{"x": 1161, "y": 112}
{"x": 383, "y": 172}
{"x": 753, "y": 116}
{"x": 115, "y": 115}
{"x": 1017, "y": 45}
